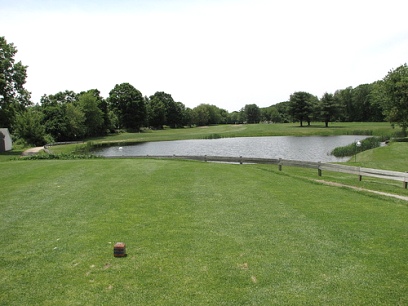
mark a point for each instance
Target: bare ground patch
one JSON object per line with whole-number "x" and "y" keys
{"x": 363, "y": 189}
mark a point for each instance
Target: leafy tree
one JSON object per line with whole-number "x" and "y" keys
{"x": 13, "y": 96}
{"x": 328, "y": 108}
{"x": 205, "y": 114}
{"x": 234, "y": 117}
{"x": 129, "y": 105}
{"x": 103, "y": 106}
{"x": 252, "y": 113}
{"x": 271, "y": 114}
{"x": 60, "y": 98}
{"x": 361, "y": 102}
{"x": 395, "y": 95}
{"x": 314, "y": 111}
{"x": 165, "y": 111}
{"x": 344, "y": 98}
{"x": 201, "y": 115}
{"x": 74, "y": 122}
{"x": 284, "y": 111}
{"x": 188, "y": 117}
{"x": 174, "y": 115}
{"x": 54, "y": 119}
{"x": 156, "y": 112}
{"x": 94, "y": 117}
{"x": 183, "y": 113}
{"x": 224, "y": 115}
{"x": 60, "y": 126}
{"x": 214, "y": 114}
{"x": 29, "y": 127}
{"x": 376, "y": 100}
{"x": 113, "y": 120}
{"x": 301, "y": 106}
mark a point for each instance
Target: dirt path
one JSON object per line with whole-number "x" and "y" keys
{"x": 32, "y": 151}
{"x": 362, "y": 189}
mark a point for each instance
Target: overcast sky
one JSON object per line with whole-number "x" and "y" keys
{"x": 223, "y": 52}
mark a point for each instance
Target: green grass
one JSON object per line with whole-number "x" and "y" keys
{"x": 391, "y": 157}
{"x": 196, "y": 234}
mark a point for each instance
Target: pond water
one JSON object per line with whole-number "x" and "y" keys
{"x": 309, "y": 148}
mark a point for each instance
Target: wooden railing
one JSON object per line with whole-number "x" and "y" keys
{"x": 359, "y": 171}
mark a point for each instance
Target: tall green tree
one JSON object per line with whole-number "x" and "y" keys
{"x": 344, "y": 98}
{"x": 284, "y": 111}
{"x": 129, "y": 105}
{"x": 205, "y": 114}
{"x": 301, "y": 106}
{"x": 201, "y": 115}
{"x": 62, "y": 126}
{"x": 94, "y": 117}
{"x": 252, "y": 113}
{"x": 74, "y": 122}
{"x": 156, "y": 112}
{"x": 215, "y": 114}
{"x": 29, "y": 127}
{"x": 328, "y": 108}
{"x": 395, "y": 96}
{"x": 103, "y": 106}
{"x": 165, "y": 111}
{"x": 13, "y": 96}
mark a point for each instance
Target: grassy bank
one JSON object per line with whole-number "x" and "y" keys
{"x": 196, "y": 233}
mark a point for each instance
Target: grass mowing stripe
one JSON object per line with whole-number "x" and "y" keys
{"x": 200, "y": 233}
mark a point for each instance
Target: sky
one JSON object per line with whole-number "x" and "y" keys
{"x": 228, "y": 53}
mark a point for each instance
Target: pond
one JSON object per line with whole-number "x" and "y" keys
{"x": 306, "y": 148}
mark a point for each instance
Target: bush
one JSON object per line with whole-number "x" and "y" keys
{"x": 400, "y": 139}
{"x": 61, "y": 156}
{"x": 351, "y": 149}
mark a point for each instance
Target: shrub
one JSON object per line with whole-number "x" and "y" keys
{"x": 351, "y": 149}
{"x": 62, "y": 156}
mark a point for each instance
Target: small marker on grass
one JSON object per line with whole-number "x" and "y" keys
{"x": 119, "y": 250}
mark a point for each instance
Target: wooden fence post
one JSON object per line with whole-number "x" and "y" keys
{"x": 319, "y": 171}
{"x": 405, "y": 182}
{"x": 240, "y": 160}
{"x": 280, "y": 165}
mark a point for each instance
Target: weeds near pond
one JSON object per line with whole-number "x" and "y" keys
{"x": 212, "y": 136}
{"x": 61, "y": 156}
{"x": 360, "y": 132}
{"x": 351, "y": 149}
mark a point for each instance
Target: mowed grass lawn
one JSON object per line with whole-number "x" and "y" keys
{"x": 196, "y": 234}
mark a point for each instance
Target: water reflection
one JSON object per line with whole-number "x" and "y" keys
{"x": 311, "y": 148}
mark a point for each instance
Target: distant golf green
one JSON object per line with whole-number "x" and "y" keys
{"x": 196, "y": 234}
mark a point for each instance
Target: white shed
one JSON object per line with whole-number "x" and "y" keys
{"x": 5, "y": 140}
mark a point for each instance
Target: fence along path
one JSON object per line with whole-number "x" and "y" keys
{"x": 359, "y": 171}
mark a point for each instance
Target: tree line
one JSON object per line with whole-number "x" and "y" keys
{"x": 67, "y": 116}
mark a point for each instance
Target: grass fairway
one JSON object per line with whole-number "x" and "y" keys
{"x": 196, "y": 234}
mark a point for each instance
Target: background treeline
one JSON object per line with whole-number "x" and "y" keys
{"x": 67, "y": 116}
